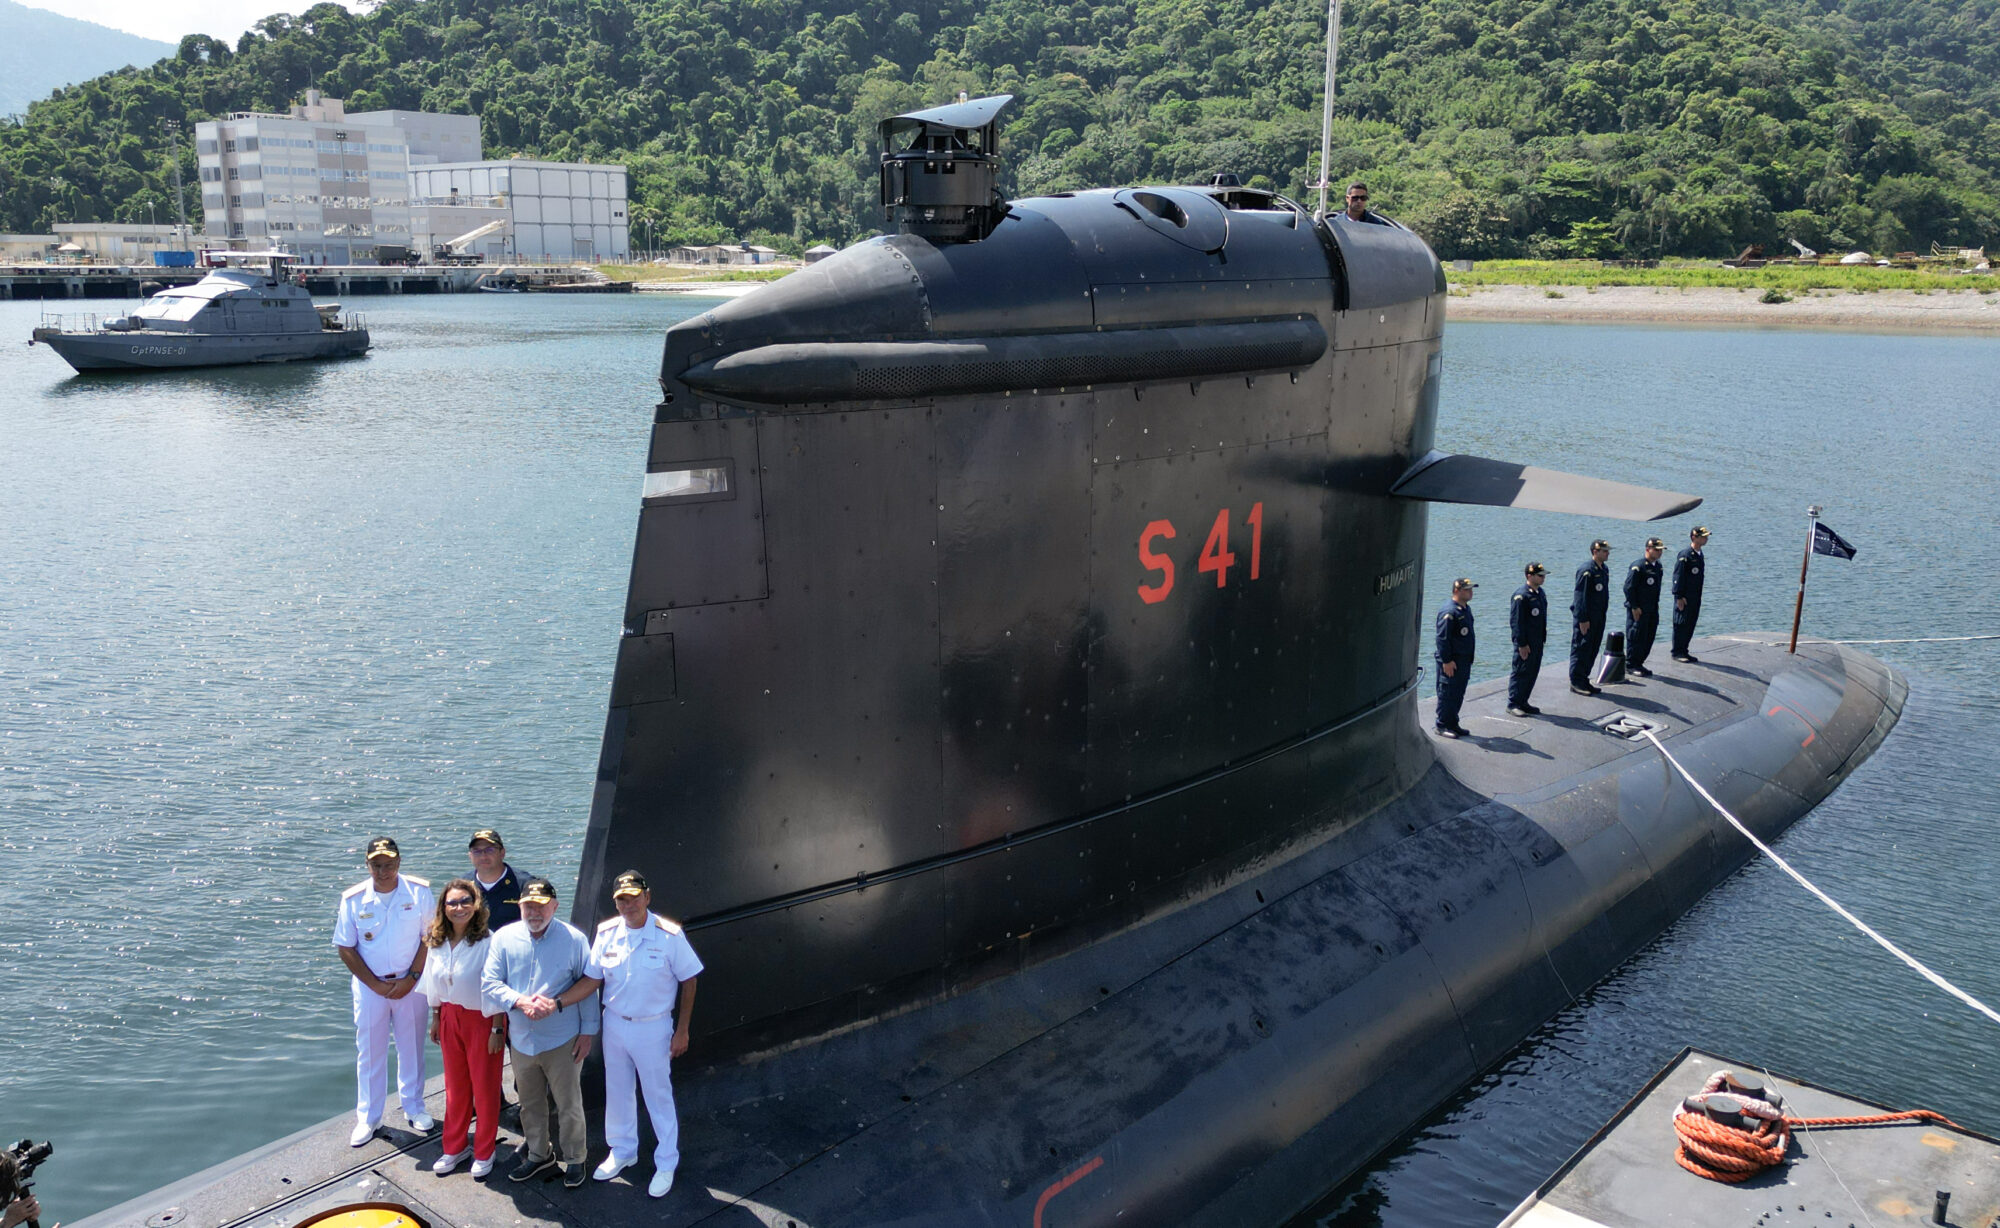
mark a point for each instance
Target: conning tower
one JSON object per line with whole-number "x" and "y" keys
{"x": 992, "y": 590}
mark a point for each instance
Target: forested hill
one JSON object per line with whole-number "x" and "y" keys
{"x": 1538, "y": 127}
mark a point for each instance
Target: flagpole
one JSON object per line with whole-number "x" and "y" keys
{"x": 1799, "y": 610}
{"x": 1326, "y": 115}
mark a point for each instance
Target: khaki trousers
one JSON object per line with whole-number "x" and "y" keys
{"x": 539, "y": 1076}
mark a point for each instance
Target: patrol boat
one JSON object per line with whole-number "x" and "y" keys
{"x": 242, "y": 313}
{"x": 1018, "y": 702}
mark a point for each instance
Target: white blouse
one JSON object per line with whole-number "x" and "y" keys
{"x": 452, "y": 972}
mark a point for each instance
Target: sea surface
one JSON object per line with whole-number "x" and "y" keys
{"x": 250, "y": 618}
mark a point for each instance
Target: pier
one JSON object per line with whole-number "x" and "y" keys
{"x": 133, "y": 281}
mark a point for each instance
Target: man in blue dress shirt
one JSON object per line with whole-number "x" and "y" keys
{"x": 533, "y": 963}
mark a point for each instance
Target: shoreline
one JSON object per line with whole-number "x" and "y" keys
{"x": 1938, "y": 311}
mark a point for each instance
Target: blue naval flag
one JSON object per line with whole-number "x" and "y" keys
{"x": 1826, "y": 541}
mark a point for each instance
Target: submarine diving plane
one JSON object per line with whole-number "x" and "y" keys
{"x": 1018, "y": 700}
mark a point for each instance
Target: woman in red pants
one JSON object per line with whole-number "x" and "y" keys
{"x": 472, "y": 1040}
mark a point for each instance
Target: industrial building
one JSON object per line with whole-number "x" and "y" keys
{"x": 335, "y": 186}
{"x": 558, "y": 211}
{"x": 324, "y": 184}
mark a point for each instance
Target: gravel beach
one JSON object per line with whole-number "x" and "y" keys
{"x": 1874, "y": 311}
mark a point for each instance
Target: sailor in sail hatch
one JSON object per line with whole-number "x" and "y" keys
{"x": 1357, "y": 206}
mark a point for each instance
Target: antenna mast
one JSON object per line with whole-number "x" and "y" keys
{"x": 1326, "y": 116}
{"x": 180, "y": 196}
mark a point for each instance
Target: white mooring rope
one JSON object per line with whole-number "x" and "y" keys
{"x": 1928, "y": 639}
{"x": 1824, "y": 898}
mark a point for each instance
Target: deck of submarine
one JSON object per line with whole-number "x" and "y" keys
{"x": 867, "y": 1105}
{"x": 1881, "y": 1174}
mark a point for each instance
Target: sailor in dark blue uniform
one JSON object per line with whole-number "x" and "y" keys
{"x": 1530, "y": 621}
{"x": 1454, "y": 656}
{"x": 1688, "y": 568}
{"x": 1642, "y": 606}
{"x": 1588, "y": 607}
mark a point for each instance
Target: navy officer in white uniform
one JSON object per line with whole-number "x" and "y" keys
{"x": 379, "y": 935}
{"x": 645, "y": 963}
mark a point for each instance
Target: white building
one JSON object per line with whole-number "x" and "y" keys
{"x": 317, "y": 181}
{"x": 122, "y": 242}
{"x": 557, "y": 210}
{"x": 431, "y": 137}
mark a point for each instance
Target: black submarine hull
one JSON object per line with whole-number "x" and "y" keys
{"x": 1229, "y": 1060}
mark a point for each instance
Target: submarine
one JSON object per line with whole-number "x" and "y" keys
{"x": 1020, "y": 701}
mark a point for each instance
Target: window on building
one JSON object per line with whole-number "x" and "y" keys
{"x": 249, "y": 144}
{"x": 205, "y": 147}
{"x": 232, "y": 172}
{"x": 236, "y": 202}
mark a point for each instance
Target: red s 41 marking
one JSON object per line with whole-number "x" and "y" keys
{"x": 1216, "y": 556}
{"x": 1153, "y": 594}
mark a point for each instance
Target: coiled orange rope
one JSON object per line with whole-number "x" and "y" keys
{"x": 1723, "y": 1152}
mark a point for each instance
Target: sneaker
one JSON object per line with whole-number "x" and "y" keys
{"x": 1517, "y": 710}
{"x": 573, "y": 1175}
{"x": 421, "y": 1122}
{"x": 611, "y": 1167}
{"x": 531, "y": 1166}
{"x": 660, "y": 1184}
{"x": 448, "y": 1161}
{"x": 480, "y": 1168}
{"x": 363, "y": 1131}
{"x": 1452, "y": 732}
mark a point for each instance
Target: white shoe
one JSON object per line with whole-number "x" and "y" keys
{"x": 421, "y": 1122}
{"x": 611, "y": 1167}
{"x": 662, "y": 1182}
{"x": 362, "y": 1133}
{"x": 448, "y": 1161}
{"x": 480, "y": 1168}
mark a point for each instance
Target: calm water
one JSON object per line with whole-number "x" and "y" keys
{"x": 249, "y": 618}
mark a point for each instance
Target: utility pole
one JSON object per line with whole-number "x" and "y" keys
{"x": 173, "y": 127}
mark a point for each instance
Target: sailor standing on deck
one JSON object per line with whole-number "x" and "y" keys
{"x": 379, "y": 934}
{"x": 644, "y": 962}
{"x": 1588, "y": 605}
{"x": 1642, "y": 606}
{"x": 1454, "y": 654}
{"x": 1530, "y": 621}
{"x": 1687, "y": 592}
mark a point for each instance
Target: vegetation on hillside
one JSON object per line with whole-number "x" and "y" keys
{"x": 1497, "y": 127}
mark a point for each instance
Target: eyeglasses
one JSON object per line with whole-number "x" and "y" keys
{"x": 460, "y": 904}
{"x": 1351, "y": 197}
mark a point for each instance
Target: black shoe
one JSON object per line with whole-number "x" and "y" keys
{"x": 531, "y": 1166}
{"x": 574, "y": 1176}
{"x": 1640, "y": 670}
{"x": 1451, "y": 732}
{"x": 1517, "y": 710}
{"x": 1531, "y": 709}
{"x": 1585, "y": 689}
{"x": 1684, "y": 658}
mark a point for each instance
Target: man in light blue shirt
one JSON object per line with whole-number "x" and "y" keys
{"x": 532, "y": 964}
